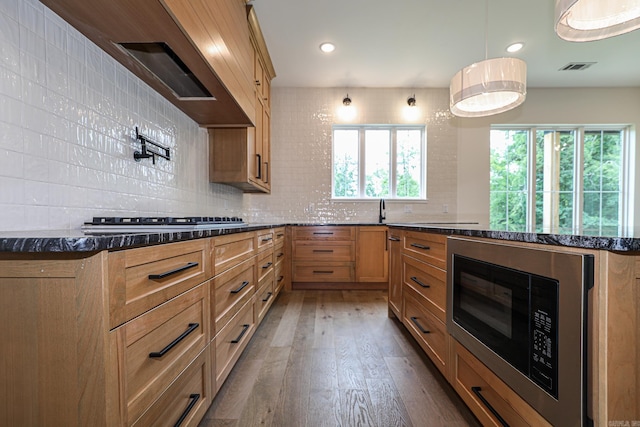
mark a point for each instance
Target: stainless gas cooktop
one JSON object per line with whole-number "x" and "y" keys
{"x": 118, "y": 225}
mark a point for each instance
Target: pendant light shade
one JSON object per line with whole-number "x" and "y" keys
{"x": 587, "y": 20}
{"x": 488, "y": 87}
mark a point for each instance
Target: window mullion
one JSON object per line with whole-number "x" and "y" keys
{"x": 578, "y": 182}
{"x": 362, "y": 179}
{"x": 531, "y": 181}
{"x": 393, "y": 162}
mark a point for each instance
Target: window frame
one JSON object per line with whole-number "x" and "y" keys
{"x": 393, "y": 164}
{"x": 626, "y": 197}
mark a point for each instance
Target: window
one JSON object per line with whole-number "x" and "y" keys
{"x": 372, "y": 162}
{"x": 558, "y": 180}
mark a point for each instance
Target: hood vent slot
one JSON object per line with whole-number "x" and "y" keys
{"x": 576, "y": 66}
{"x": 160, "y": 60}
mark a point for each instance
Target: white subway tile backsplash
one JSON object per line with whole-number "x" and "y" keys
{"x": 67, "y": 118}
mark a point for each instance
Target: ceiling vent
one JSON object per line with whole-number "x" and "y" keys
{"x": 575, "y": 66}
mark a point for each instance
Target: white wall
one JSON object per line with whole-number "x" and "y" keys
{"x": 301, "y": 155}
{"x": 67, "y": 116}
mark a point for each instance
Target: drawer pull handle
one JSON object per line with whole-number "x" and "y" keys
{"x": 323, "y": 250}
{"x": 268, "y": 296}
{"x": 394, "y": 239}
{"x": 267, "y": 265}
{"x": 322, "y": 271}
{"x": 174, "y": 271}
{"x": 328, "y": 233}
{"x": 280, "y": 278}
{"x": 245, "y": 328}
{"x": 193, "y": 398}
{"x": 244, "y": 285}
{"x": 423, "y": 330}
{"x": 266, "y": 239}
{"x": 280, "y": 235}
{"x": 419, "y": 246}
{"x": 477, "y": 392}
{"x": 415, "y": 279}
{"x": 280, "y": 254}
{"x": 192, "y": 327}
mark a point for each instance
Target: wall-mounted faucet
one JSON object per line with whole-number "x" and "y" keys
{"x": 382, "y": 215}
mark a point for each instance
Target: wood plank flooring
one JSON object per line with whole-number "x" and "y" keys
{"x": 334, "y": 358}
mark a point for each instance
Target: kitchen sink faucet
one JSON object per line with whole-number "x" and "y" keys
{"x": 382, "y": 215}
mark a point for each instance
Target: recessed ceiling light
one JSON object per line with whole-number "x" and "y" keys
{"x": 515, "y": 47}
{"x": 327, "y": 47}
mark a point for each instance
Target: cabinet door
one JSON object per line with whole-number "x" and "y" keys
{"x": 395, "y": 273}
{"x": 372, "y": 258}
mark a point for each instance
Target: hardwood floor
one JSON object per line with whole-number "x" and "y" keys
{"x": 334, "y": 358}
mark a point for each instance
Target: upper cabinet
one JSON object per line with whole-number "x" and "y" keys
{"x": 196, "y": 53}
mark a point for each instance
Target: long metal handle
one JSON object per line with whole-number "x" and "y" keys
{"x": 477, "y": 391}
{"x": 419, "y": 246}
{"x": 323, "y": 250}
{"x": 330, "y": 233}
{"x": 322, "y": 271}
{"x": 394, "y": 239}
{"x": 423, "y": 330}
{"x": 280, "y": 278}
{"x": 267, "y": 265}
{"x": 415, "y": 279}
{"x": 242, "y": 286}
{"x": 266, "y": 172}
{"x": 259, "y": 158}
{"x": 245, "y": 328}
{"x": 280, "y": 255}
{"x": 267, "y": 239}
{"x": 174, "y": 271}
{"x": 193, "y": 398}
{"x": 192, "y": 327}
{"x": 268, "y": 296}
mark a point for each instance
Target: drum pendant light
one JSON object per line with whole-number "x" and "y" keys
{"x": 588, "y": 20}
{"x": 488, "y": 87}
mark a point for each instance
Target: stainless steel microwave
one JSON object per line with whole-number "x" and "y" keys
{"x": 522, "y": 311}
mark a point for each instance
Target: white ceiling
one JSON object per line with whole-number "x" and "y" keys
{"x": 423, "y": 43}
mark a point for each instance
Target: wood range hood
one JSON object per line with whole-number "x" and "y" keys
{"x": 206, "y": 43}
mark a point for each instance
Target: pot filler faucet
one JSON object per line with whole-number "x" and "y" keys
{"x": 382, "y": 215}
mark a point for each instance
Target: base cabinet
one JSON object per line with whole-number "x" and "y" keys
{"x": 491, "y": 400}
{"x": 137, "y": 337}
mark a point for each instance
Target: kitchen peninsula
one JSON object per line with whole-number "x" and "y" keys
{"x": 63, "y": 292}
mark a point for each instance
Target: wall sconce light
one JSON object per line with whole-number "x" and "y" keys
{"x": 347, "y": 112}
{"x": 411, "y": 112}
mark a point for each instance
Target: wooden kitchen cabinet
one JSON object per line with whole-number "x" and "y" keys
{"x": 241, "y": 156}
{"x": 487, "y": 396}
{"x": 189, "y": 29}
{"x": 335, "y": 257}
{"x": 372, "y": 254}
{"x": 395, "y": 273}
{"x": 132, "y": 337}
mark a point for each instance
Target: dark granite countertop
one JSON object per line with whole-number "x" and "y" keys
{"x": 76, "y": 241}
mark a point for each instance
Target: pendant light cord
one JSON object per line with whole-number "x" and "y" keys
{"x": 486, "y": 30}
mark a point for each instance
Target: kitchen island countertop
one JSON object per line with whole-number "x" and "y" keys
{"x": 77, "y": 241}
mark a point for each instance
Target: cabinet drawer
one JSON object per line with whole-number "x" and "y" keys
{"x": 265, "y": 264}
{"x": 323, "y": 272}
{"x": 230, "y": 291}
{"x": 428, "y": 281}
{"x": 265, "y": 239}
{"x": 428, "y": 247}
{"x": 324, "y": 233}
{"x": 264, "y": 296}
{"x": 278, "y": 236}
{"x": 428, "y": 330}
{"x": 233, "y": 249}
{"x": 142, "y": 278}
{"x": 160, "y": 344}
{"x": 482, "y": 390}
{"x": 187, "y": 399}
{"x": 323, "y": 251}
{"x": 232, "y": 339}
